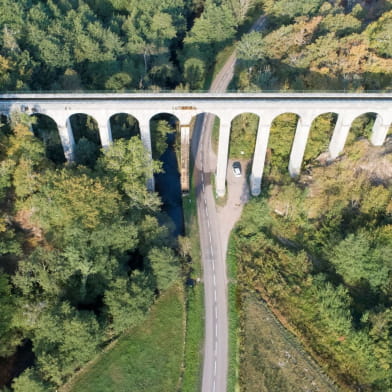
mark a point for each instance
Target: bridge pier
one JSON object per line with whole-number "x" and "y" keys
{"x": 259, "y": 154}
{"x": 67, "y": 139}
{"x": 223, "y": 152}
{"x": 299, "y": 144}
{"x": 380, "y": 131}
{"x": 340, "y": 133}
{"x": 105, "y": 133}
{"x": 145, "y": 135}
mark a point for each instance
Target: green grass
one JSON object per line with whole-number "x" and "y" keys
{"x": 148, "y": 358}
{"x": 215, "y": 135}
{"x": 194, "y": 302}
{"x": 232, "y": 381}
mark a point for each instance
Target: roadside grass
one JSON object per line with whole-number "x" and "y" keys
{"x": 194, "y": 337}
{"x": 146, "y": 358}
{"x": 233, "y": 310}
{"x": 215, "y": 135}
{"x": 271, "y": 358}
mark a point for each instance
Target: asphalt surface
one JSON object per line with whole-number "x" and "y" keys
{"x": 213, "y": 252}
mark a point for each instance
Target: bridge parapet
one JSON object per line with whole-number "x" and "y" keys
{"x": 267, "y": 106}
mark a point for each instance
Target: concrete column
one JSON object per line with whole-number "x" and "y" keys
{"x": 105, "y": 133}
{"x": 223, "y": 150}
{"x": 263, "y": 132}
{"x": 299, "y": 144}
{"x": 144, "y": 126}
{"x": 340, "y": 133}
{"x": 379, "y": 132}
{"x": 67, "y": 140}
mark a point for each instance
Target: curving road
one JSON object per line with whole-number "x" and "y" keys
{"x": 213, "y": 246}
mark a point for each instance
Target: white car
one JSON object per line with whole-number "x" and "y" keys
{"x": 236, "y": 169}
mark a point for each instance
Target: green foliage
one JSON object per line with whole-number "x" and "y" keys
{"x": 310, "y": 45}
{"x": 88, "y": 238}
{"x": 128, "y": 167}
{"x": 127, "y": 301}
{"x": 165, "y": 266}
{"x": 359, "y": 258}
{"x": 29, "y": 381}
{"x": 380, "y": 34}
{"x": 64, "y": 340}
{"x": 124, "y": 126}
{"x": 215, "y": 28}
{"x": 280, "y": 141}
{"x": 10, "y": 337}
{"x": 320, "y": 136}
{"x": 285, "y": 10}
{"x": 159, "y": 131}
{"x": 318, "y": 251}
{"x": 194, "y": 73}
{"x": 88, "y": 44}
{"x": 243, "y": 136}
{"x": 341, "y": 24}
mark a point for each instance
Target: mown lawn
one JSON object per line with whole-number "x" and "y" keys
{"x": 147, "y": 358}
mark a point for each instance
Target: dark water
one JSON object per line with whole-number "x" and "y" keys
{"x": 168, "y": 185}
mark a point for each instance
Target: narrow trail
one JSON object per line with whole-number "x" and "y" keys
{"x": 214, "y": 227}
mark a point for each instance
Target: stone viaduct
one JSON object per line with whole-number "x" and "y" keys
{"x": 184, "y": 106}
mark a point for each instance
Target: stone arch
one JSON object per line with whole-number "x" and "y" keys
{"x": 124, "y": 125}
{"x": 320, "y": 134}
{"x": 87, "y": 138}
{"x": 46, "y": 129}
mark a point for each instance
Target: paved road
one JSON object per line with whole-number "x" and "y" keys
{"x": 213, "y": 251}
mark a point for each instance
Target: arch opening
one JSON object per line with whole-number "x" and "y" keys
{"x": 243, "y": 134}
{"x": 320, "y": 134}
{"x": 166, "y": 143}
{"x": 45, "y": 129}
{"x": 163, "y": 128}
{"x": 87, "y": 140}
{"x": 361, "y": 127}
{"x": 280, "y": 142}
{"x": 124, "y": 126}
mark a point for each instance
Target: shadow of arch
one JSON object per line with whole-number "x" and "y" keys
{"x": 243, "y": 135}
{"x": 165, "y": 144}
{"x": 5, "y": 125}
{"x": 280, "y": 141}
{"x": 87, "y": 141}
{"x": 320, "y": 134}
{"x": 45, "y": 128}
{"x": 124, "y": 126}
{"x": 361, "y": 127}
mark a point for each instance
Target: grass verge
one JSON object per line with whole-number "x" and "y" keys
{"x": 194, "y": 336}
{"x": 146, "y": 358}
{"x": 232, "y": 381}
